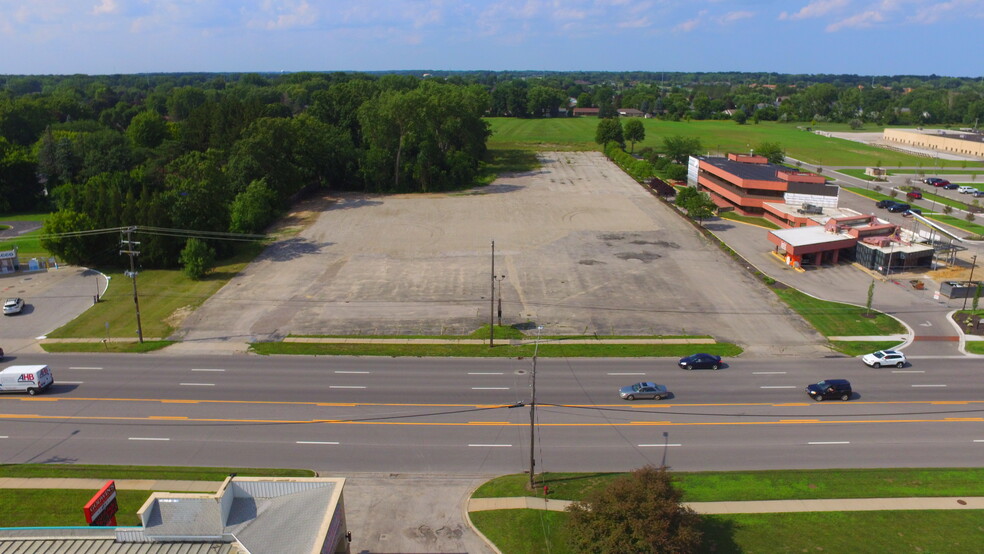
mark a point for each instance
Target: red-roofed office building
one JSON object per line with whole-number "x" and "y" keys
{"x": 748, "y": 184}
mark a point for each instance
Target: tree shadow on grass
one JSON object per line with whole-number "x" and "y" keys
{"x": 719, "y": 535}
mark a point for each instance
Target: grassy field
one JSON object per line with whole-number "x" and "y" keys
{"x": 837, "y": 319}
{"x": 28, "y": 245}
{"x": 857, "y": 348}
{"x": 164, "y": 296}
{"x": 546, "y": 350}
{"x": 716, "y": 137}
{"x": 107, "y": 346}
{"x": 535, "y": 531}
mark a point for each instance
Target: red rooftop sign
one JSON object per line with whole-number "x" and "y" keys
{"x": 101, "y": 510}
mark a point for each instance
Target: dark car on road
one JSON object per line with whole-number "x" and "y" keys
{"x": 935, "y": 181}
{"x": 950, "y": 186}
{"x": 829, "y": 389}
{"x": 899, "y": 207}
{"x": 701, "y": 361}
{"x": 914, "y": 195}
{"x": 643, "y": 390}
{"x": 885, "y": 203}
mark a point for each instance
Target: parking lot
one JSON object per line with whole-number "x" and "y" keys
{"x": 584, "y": 249}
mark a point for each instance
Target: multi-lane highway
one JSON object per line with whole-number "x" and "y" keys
{"x": 453, "y": 415}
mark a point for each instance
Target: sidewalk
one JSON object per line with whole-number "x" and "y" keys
{"x": 759, "y": 506}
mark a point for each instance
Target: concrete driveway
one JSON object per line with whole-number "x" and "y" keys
{"x": 584, "y": 249}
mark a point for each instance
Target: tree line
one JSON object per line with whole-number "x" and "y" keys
{"x": 227, "y": 152}
{"x": 222, "y": 154}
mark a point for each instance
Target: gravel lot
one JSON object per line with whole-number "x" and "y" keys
{"x": 583, "y": 247}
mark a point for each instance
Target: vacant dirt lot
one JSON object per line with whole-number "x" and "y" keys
{"x": 583, "y": 247}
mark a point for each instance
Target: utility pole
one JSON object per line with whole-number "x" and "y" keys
{"x": 533, "y": 411}
{"x": 127, "y": 248}
{"x": 492, "y": 302}
{"x": 498, "y": 312}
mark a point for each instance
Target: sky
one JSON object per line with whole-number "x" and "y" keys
{"x": 864, "y": 37}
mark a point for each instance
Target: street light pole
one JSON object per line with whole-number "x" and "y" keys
{"x": 499, "y": 309}
{"x": 492, "y": 302}
{"x": 536, "y": 347}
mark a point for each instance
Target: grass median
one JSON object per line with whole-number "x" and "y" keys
{"x": 545, "y": 350}
{"x": 536, "y": 531}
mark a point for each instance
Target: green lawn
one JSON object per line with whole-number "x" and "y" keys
{"x": 503, "y": 350}
{"x": 536, "y": 531}
{"x": 28, "y": 245}
{"x": 959, "y": 222}
{"x": 857, "y": 173}
{"x": 837, "y": 319}
{"x": 935, "y": 170}
{"x": 135, "y": 347}
{"x": 577, "y": 133}
{"x": 715, "y": 486}
{"x": 956, "y": 531}
{"x": 63, "y": 507}
{"x": 857, "y": 348}
{"x": 163, "y": 294}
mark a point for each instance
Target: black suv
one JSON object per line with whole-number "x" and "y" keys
{"x": 899, "y": 207}
{"x": 831, "y": 388}
{"x": 885, "y": 203}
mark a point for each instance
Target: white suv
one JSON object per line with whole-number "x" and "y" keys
{"x": 964, "y": 189}
{"x": 884, "y": 357}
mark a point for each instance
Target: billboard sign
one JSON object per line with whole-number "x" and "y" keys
{"x": 101, "y": 509}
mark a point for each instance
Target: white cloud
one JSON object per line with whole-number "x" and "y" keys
{"x": 815, "y": 9}
{"x": 858, "y": 21}
{"x": 284, "y": 14}
{"x": 106, "y": 6}
{"x": 691, "y": 24}
{"x": 941, "y": 10}
{"x": 731, "y": 17}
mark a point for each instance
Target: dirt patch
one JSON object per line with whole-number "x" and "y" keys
{"x": 178, "y": 316}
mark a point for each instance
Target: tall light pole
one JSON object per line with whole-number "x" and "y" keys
{"x": 970, "y": 281}
{"x": 536, "y": 347}
{"x": 492, "y": 302}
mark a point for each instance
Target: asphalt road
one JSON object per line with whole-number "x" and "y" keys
{"x": 451, "y": 416}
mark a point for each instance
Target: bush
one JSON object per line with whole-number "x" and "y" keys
{"x": 640, "y": 170}
{"x": 640, "y": 512}
{"x": 675, "y": 172}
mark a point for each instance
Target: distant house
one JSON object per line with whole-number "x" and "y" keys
{"x": 586, "y": 111}
{"x": 630, "y": 112}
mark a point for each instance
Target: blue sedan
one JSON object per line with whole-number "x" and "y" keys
{"x": 701, "y": 361}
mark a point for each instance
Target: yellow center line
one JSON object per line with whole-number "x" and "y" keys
{"x": 448, "y": 405}
{"x": 472, "y": 423}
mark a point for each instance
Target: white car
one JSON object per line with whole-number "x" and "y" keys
{"x": 884, "y": 357}
{"x": 13, "y": 306}
{"x": 964, "y": 189}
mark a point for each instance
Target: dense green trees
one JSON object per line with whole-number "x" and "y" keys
{"x": 609, "y": 130}
{"x": 640, "y": 512}
{"x": 634, "y": 132}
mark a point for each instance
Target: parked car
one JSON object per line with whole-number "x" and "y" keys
{"x": 830, "y": 388}
{"x": 978, "y": 193}
{"x": 949, "y": 186}
{"x": 13, "y": 306}
{"x": 965, "y": 189}
{"x": 911, "y": 211}
{"x": 899, "y": 207}
{"x": 914, "y": 195}
{"x": 885, "y": 203}
{"x": 935, "y": 181}
{"x": 1, "y": 353}
{"x": 643, "y": 390}
{"x": 701, "y": 361}
{"x": 884, "y": 357}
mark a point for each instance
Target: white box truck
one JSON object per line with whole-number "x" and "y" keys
{"x": 31, "y": 379}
